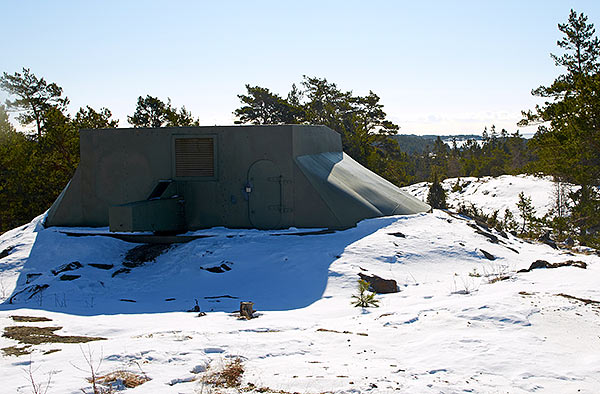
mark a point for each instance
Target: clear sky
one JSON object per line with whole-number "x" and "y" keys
{"x": 440, "y": 67}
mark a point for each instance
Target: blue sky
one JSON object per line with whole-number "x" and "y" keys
{"x": 440, "y": 67}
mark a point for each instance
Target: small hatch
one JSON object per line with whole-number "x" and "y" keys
{"x": 159, "y": 189}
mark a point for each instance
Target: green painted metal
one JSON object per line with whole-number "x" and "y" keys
{"x": 163, "y": 215}
{"x": 300, "y": 178}
{"x": 264, "y": 196}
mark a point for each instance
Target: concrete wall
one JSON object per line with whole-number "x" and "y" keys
{"x": 120, "y": 166}
{"x": 297, "y": 174}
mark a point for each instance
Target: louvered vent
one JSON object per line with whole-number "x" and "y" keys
{"x": 194, "y": 157}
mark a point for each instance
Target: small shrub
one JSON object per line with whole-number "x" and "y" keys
{"x": 457, "y": 187}
{"x": 364, "y": 298}
{"x": 229, "y": 376}
{"x": 122, "y": 378}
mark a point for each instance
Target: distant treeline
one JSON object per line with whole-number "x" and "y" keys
{"x": 411, "y": 143}
{"x": 35, "y": 166}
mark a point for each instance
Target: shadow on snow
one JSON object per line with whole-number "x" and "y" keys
{"x": 275, "y": 272}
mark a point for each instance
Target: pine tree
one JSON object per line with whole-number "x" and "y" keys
{"x": 567, "y": 142}
{"x": 34, "y": 96}
{"x": 436, "y": 197}
{"x": 153, "y": 112}
{"x": 364, "y": 298}
{"x": 526, "y": 211}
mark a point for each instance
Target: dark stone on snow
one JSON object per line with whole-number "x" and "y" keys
{"x": 69, "y": 277}
{"x": 32, "y": 277}
{"x": 121, "y": 271}
{"x": 218, "y": 269}
{"x": 101, "y": 266}
{"x": 569, "y": 242}
{"x": 488, "y": 255}
{"x": 513, "y": 249}
{"x": 6, "y": 252}
{"x": 544, "y": 264}
{"x": 483, "y": 225}
{"x": 398, "y": 234}
{"x": 503, "y": 234}
{"x": 545, "y": 238}
{"x": 223, "y": 296}
{"x": 169, "y": 299}
{"x": 75, "y": 265}
{"x": 142, "y": 254}
{"x": 127, "y": 300}
{"x": 380, "y": 285}
{"x": 491, "y": 237}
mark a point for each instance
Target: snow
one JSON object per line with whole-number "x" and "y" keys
{"x": 448, "y": 330}
{"x": 495, "y": 193}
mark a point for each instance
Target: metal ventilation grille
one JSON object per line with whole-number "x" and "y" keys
{"x": 194, "y": 157}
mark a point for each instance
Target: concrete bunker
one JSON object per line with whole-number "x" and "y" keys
{"x": 188, "y": 178}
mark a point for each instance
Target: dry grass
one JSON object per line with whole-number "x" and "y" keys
{"x": 37, "y": 335}
{"x": 122, "y": 377}
{"x": 16, "y": 350}
{"x": 26, "y": 319}
{"x": 229, "y": 376}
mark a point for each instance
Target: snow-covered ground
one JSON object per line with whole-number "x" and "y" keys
{"x": 448, "y": 330}
{"x": 494, "y": 193}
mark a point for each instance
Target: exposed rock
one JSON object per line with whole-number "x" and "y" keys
{"x": 75, "y": 265}
{"x": 380, "y": 285}
{"x": 483, "y": 225}
{"x": 217, "y": 297}
{"x": 398, "y": 234}
{"x": 142, "y": 254}
{"x": 491, "y": 237}
{"x": 32, "y": 277}
{"x": 101, "y": 266}
{"x": 487, "y": 255}
{"x": 127, "y": 300}
{"x": 6, "y": 252}
{"x": 545, "y": 238}
{"x": 544, "y": 264}
{"x": 121, "y": 271}
{"x": 569, "y": 242}
{"x": 218, "y": 269}
{"x": 69, "y": 277}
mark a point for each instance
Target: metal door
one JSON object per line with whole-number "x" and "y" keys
{"x": 264, "y": 200}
